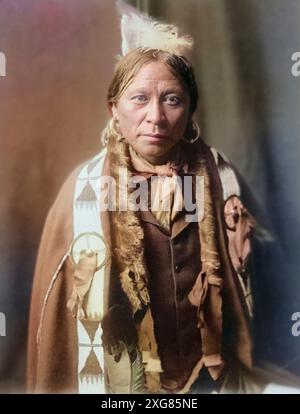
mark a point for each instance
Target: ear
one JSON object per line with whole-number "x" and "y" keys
{"x": 113, "y": 110}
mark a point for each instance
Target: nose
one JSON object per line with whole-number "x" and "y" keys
{"x": 155, "y": 112}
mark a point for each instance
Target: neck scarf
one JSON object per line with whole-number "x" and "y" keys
{"x": 165, "y": 193}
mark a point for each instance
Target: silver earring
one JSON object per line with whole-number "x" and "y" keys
{"x": 198, "y": 132}
{"x": 195, "y": 127}
{"x": 114, "y": 123}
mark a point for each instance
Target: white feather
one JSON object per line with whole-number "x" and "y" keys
{"x": 139, "y": 30}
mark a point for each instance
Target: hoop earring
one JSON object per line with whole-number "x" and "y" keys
{"x": 116, "y": 130}
{"x": 195, "y": 127}
{"x": 113, "y": 124}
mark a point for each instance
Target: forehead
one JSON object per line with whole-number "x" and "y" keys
{"x": 155, "y": 72}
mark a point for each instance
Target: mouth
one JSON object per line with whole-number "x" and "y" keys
{"x": 156, "y": 136}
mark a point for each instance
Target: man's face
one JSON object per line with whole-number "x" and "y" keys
{"x": 153, "y": 112}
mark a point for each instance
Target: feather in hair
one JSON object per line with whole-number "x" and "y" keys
{"x": 139, "y": 30}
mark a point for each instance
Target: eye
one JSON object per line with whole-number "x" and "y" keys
{"x": 173, "y": 100}
{"x": 139, "y": 98}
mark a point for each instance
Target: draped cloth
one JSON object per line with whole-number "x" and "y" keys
{"x": 216, "y": 289}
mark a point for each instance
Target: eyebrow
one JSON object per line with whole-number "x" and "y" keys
{"x": 166, "y": 92}
{"x": 138, "y": 90}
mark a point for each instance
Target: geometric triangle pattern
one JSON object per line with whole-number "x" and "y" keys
{"x": 92, "y": 367}
{"x": 86, "y": 218}
{"x": 87, "y": 194}
{"x": 91, "y": 359}
{"x": 90, "y": 327}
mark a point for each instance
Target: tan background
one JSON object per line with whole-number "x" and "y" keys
{"x": 60, "y": 57}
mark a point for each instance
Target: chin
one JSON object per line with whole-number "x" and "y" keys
{"x": 154, "y": 154}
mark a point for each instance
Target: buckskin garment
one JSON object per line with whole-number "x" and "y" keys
{"x": 173, "y": 336}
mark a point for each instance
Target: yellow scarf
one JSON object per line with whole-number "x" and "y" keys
{"x": 166, "y": 194}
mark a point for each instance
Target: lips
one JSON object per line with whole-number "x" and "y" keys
{"x": 156, "y": 135}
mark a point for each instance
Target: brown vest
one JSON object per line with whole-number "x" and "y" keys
{"x": 173, "y": 263}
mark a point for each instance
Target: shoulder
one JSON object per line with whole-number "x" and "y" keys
{"x": 58, "y": 229}
{"x": 63, "y": 203}
{"x": 234, "y": 185}
{"x": 231, "y": 184}
{"x": 221, "y": 169}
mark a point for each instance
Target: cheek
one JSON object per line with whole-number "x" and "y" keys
{"x": 130, "y": 120}
{"x": 180, "y": 122}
